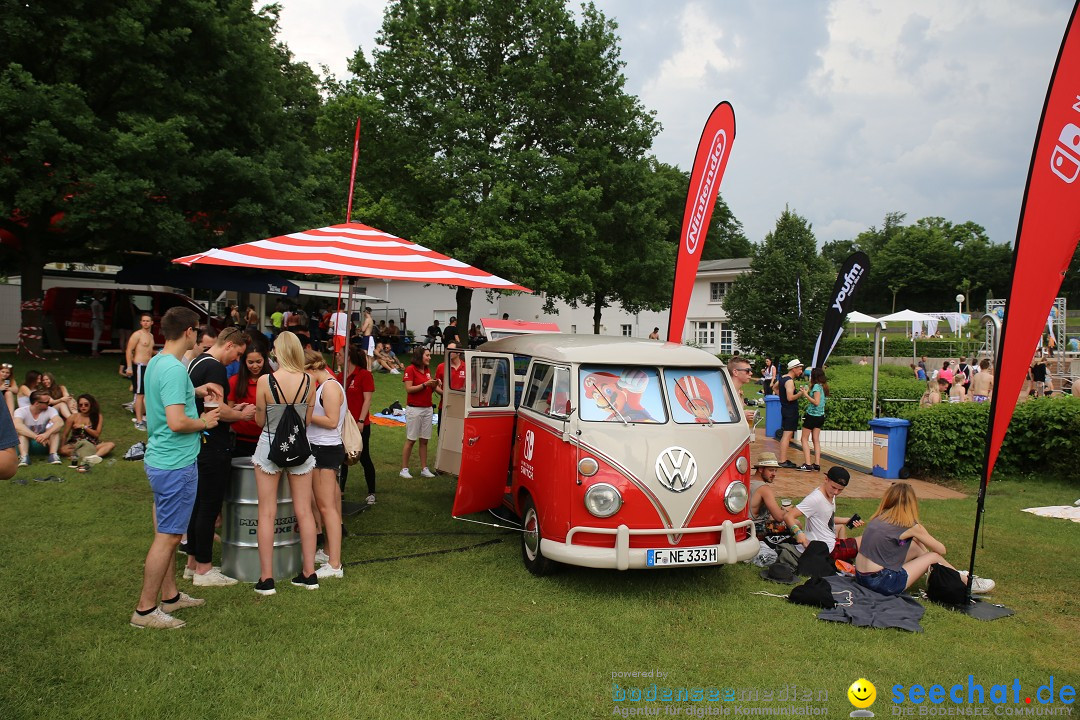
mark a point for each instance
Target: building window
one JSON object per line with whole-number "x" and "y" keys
{"x": 573, "y": 329}
{"x": 705, "y": 334}
{"x": 627, "y": 331}
{"x": 717, "y": 291}
{"x": 727, "y": 337}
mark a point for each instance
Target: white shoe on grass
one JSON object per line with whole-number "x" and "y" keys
{"x": 426, "y": 473}
{"x": 405, "y": 474}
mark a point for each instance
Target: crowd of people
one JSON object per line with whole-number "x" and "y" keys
{"x": 211, "y": 397}
{"x": 49, "y": 421}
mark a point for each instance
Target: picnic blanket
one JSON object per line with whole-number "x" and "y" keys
{"x": 395, "y": 420}
{"x": 1066, "y": 512}
{"x": 865, "y": 608}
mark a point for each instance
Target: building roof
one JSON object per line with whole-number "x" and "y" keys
{"x": 725, "y": 264}
{"x": 604, "y": 349}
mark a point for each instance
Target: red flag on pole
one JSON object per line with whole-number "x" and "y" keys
{"x": 709, "y": 165}
{"x": 1046, "y": 238}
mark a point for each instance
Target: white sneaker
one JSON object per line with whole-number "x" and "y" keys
{"x": 371, "y": 499}
{"x": 979, "y": 585}
{"x": 321, "y": 557}
{"x": 405, "y": 474}
{"x": 329, "y": 572}
{"x": 92, "y": 460}
{"x": 395, "y": 372}
{"x": 213, "y": 578}
{"x": 189, "y": 573}
{"x": 157, "y": 620}
{"x": 426, "y": 473}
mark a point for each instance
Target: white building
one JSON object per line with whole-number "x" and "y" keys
{"x": 707, "y": 324}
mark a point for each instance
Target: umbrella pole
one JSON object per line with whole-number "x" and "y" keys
{"x": 352, "y": 173}
{"x": 348, "y": 318}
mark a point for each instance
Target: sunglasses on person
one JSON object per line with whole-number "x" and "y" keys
{"x": 6, "y": 365}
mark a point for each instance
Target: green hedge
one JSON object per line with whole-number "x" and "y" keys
{"x": 948, "y": 440}
{"x": 901, "y": 347}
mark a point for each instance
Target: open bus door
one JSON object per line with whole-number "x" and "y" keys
{"x": 487, "y": 432}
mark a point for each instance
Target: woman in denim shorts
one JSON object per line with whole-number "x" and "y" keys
{"x": 896, "y": 550}
{"x": 324, "y": 435}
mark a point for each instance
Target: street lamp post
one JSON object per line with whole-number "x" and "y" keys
{"x": 959, "y": 313}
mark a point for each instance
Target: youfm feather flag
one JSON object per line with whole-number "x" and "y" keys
{"x": 1046, "y": 239}
{"x": 852, "y": 273}
{"x": 709, "y": 164}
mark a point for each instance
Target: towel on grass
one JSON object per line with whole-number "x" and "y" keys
{"x": 870, "y": 609}
{"x": 1066, "y": 512}
{"x": 395, "y": 420}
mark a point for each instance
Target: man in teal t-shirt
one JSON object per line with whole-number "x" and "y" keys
{"x": 170, "y": 460}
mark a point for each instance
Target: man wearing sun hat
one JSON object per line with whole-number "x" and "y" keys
{"x": 765, "y": 510}
{"x": 789, "y": 409}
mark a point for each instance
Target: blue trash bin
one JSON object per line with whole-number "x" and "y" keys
{"x": 772, "y": 415}
{"x": 890, "y": 447}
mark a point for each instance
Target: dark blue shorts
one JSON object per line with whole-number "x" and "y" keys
{"x": 885, "y": 581}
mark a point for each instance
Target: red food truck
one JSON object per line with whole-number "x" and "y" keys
{"x": 614, "y": 452}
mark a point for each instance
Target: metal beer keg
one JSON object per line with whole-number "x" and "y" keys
{"x": 240, "y": 519}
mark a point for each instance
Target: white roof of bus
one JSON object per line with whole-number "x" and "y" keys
{"x": 604, "y": 349}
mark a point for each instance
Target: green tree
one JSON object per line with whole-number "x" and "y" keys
{"x": 162, "y": 127}
{"x": 786, "y": 273}
{"x": 504, "y": 118}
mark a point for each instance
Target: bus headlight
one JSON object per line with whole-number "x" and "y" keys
{"x": 735, "y": 497}
{"x": 741, "y": 464}
{"x": 603, "y": 500}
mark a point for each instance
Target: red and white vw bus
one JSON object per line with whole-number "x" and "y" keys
{"x": 614, "y": 452}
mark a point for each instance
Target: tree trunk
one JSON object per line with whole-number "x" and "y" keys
{"x": 598, "y": 308}
{"x": 464, "y": 307}
{"x": 31, "y": 263}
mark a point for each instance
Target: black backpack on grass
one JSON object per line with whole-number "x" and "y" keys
{"x": 289, "y": 446}
{"x": 946, "y": 586}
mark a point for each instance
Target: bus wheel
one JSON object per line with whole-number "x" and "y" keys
{"x": 531, "y": 535}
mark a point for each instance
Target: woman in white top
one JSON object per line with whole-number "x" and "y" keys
{"x": 768, "y": 376}
{"x": 324, "y": 434}
{"x": 292, "y": 382}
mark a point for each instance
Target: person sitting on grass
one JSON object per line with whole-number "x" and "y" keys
{"x": 82, "y": 434}
{"x": 59, "y": 397}
{"x": 766, "y": 511}
{"x": 896, "y": 550}
{"x": 7, "y": 384}
{"x": 31, "y": 382}
{"x": 38, "y": 425}
{"x": 388, "y": 359}
{"x": 819, "y": 509}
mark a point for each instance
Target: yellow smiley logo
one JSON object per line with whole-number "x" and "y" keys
{"x": 862, "y": 693}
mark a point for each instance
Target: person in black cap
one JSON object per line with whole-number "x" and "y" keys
{"x": 819, "y": 509}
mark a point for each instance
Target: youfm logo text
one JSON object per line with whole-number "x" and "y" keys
{"x": 706, "y": 192}
{"x": 850, "y": 280}
{"x": 1065, "y": 162}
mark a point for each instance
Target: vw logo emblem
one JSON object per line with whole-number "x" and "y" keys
{"x": 530, "y": 443}
{"x": 676, "y": 469}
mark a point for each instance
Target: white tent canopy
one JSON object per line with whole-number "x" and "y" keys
{"x": 857, "y": 317}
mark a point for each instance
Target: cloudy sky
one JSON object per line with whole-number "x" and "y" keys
{"x": 845, "y": 109}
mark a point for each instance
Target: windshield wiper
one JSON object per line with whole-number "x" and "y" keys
{"x": 607, "y": 400}
{"x": 692, "y": 402}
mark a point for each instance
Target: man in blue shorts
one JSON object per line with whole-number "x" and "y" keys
{"x": 171, "y": 452}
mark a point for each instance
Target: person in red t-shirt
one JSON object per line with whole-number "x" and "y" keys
{"x": 419, "y": 386}
{"x": 242, "y": 385}
{"x": 457, "y": 376}
{"x": 358, "y": 392}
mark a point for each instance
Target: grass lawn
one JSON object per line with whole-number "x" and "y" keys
{"x": 471, "y": 634}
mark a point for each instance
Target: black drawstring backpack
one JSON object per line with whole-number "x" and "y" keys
{"x": 815, "y": 592}
{"x": 290, "y": 446}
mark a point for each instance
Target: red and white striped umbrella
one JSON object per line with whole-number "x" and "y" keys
{"x": 352, "y": 249}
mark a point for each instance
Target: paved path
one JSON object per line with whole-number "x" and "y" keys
{"x": 797, "y": 485}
